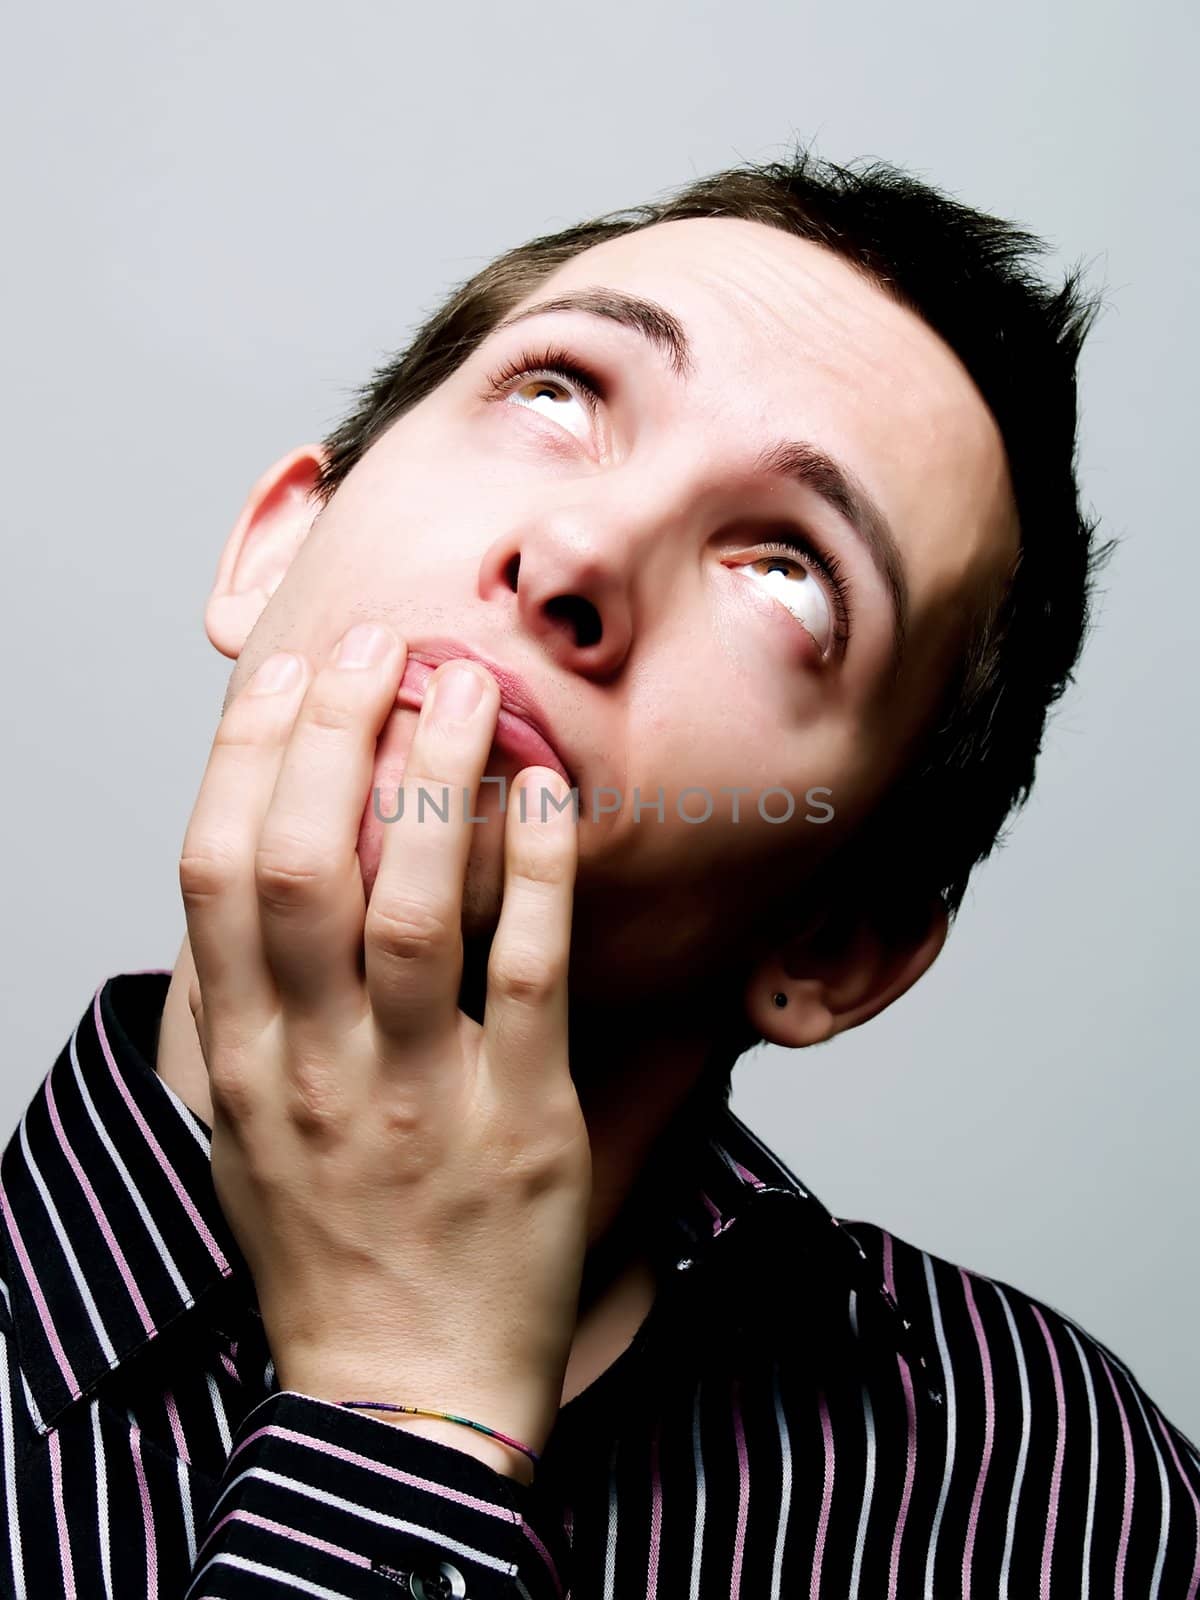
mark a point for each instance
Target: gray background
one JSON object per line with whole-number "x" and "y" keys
{"x": 218, "y": 217}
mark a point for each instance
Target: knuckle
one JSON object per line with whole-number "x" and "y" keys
{"x": 523, "y": 975}
{"x": 542, "y": 870}
{"x": 409, "y": 930}
{"x": 325, "y": 713}
{"x": 288, "y": 871}
{"x": 230, "y": 1093}
{"x": 242, "y": 732}
{"x": 207, "y": 869}
{"x": 316, "y": 1099}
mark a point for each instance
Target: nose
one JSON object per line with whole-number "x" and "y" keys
{"x": 576, "y": 574}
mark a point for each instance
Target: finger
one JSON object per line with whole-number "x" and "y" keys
{"x": 412, "y": 937}
{"x": 310, "y": 891}
{"x": 216, "y": 864}
{"x": 525, "y": 1015}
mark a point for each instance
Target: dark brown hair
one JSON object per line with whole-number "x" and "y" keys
{"x": 969, "y": 276}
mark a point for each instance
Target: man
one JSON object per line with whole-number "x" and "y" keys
{"x": 752, "y": 518}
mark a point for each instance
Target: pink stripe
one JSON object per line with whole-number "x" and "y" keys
{"x": 889, "y": 1282}
{"x": 1127, "y": 1513}
{"x": 1060, "y": 1441}
{"x": 97, "y": 1210}
{"x": 739, "y": 1541}
{"x": 354, "y": 1557}
{"x": 655, "y": 1516}
{"x": 229, "y": 1367}
{"x": 989, "y": 1426}
{"x": 135, "y": 1439}
{"x": 39, "y": 1299}
{"x": 814, "y": 1587}
{"x": 169, "y": 1172}
{"x": 744, "y": 1173}
{"x": 398, "y": 1475}
{"x": 1191, "y": 1594}
{"x": 60, "y": 1515}
{"x": 176, "y": 1427}
{"x": 910, "y": 1471}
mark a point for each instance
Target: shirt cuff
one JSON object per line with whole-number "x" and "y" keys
{"x": 339, "y": 1504}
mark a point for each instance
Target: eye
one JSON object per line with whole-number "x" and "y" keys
{"x": 811, "y": 585}
{"x": 551, "y": 383}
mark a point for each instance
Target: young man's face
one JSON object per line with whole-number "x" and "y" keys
{"x": 617, "y": 559}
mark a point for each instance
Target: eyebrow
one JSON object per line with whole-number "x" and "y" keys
{"x": 804, "y": 463}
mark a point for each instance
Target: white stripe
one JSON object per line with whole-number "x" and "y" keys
{"x": 377, "y": 1519}
{"x": 151, "y": 1226}
{"x": 610, "y": 1544}
{"x": 951, "y": 1423}
{"x": 102, "y": 1524}
{"x": 869, "y": 1480}
{"x": 698, "y": 1529}
{"x": 204, "y": 1140}
{"x": 219, "y": 1414}
{"x": 785, "y": 1491}
{"x": 1091, "y": 1339}
{"x": 261, "y": 1570}
{"x": 81, "y": 1284}
{"x": 1019, "y": 1475}
{"x": 1165, "y": 1496}
{"x": 35, "y": 1414}
{"x": 183, "y": 1473}
{"x": 16, "y": 1562}
{"x": 1093, "y": 1464}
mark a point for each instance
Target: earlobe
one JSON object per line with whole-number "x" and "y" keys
{"x": 273, "y": 524}
{"x": 830, "y": 981}
{"x": 803, "y": 1018}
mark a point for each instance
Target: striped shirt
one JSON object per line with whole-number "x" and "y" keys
{"x": 812, "y": 1407}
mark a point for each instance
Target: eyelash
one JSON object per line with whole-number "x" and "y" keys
{"x": 830, "y": 568}
{"x": 555, "y": 362}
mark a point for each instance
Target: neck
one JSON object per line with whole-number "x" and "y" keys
{"x": 633, "y": 1077}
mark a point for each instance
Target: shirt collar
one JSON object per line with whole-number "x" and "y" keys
{"x": 113, "y": 1228}
{"x": 114, "y": 1232}
{"x": 740, "y": 1188}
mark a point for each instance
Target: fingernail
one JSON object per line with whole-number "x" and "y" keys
{"x": 456, "y": 693}
{"x": 363, "y": 646}
{"x": 280, "y": 671}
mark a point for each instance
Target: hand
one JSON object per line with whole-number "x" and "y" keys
{"x": 410, "y": 1189}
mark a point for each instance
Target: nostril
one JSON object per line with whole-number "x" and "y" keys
{"x": 581, "y": 614}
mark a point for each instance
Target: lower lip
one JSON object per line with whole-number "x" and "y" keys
{"x": 514, "y": 736}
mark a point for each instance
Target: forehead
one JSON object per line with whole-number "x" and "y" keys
{"x": 790, "y": 341}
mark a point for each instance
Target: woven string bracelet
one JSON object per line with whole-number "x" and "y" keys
{"x": 446, "y": 1416}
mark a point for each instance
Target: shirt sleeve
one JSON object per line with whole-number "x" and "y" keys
{"x": 324, "y": 1501}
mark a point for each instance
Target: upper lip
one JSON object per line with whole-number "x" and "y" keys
{"x": 515, "y": 695}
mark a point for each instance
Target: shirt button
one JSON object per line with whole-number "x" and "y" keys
{"x": 447, "y": 1583}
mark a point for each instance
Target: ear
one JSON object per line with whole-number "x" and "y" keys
{"x": 275, "y": 520}
{"x": 833, "y": 977}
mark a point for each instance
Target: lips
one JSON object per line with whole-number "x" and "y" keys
{"x": 521, "y": 729}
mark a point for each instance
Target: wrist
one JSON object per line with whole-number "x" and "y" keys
{"x": 529, "y": 1423}
{"x": 500, "y": 1457}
